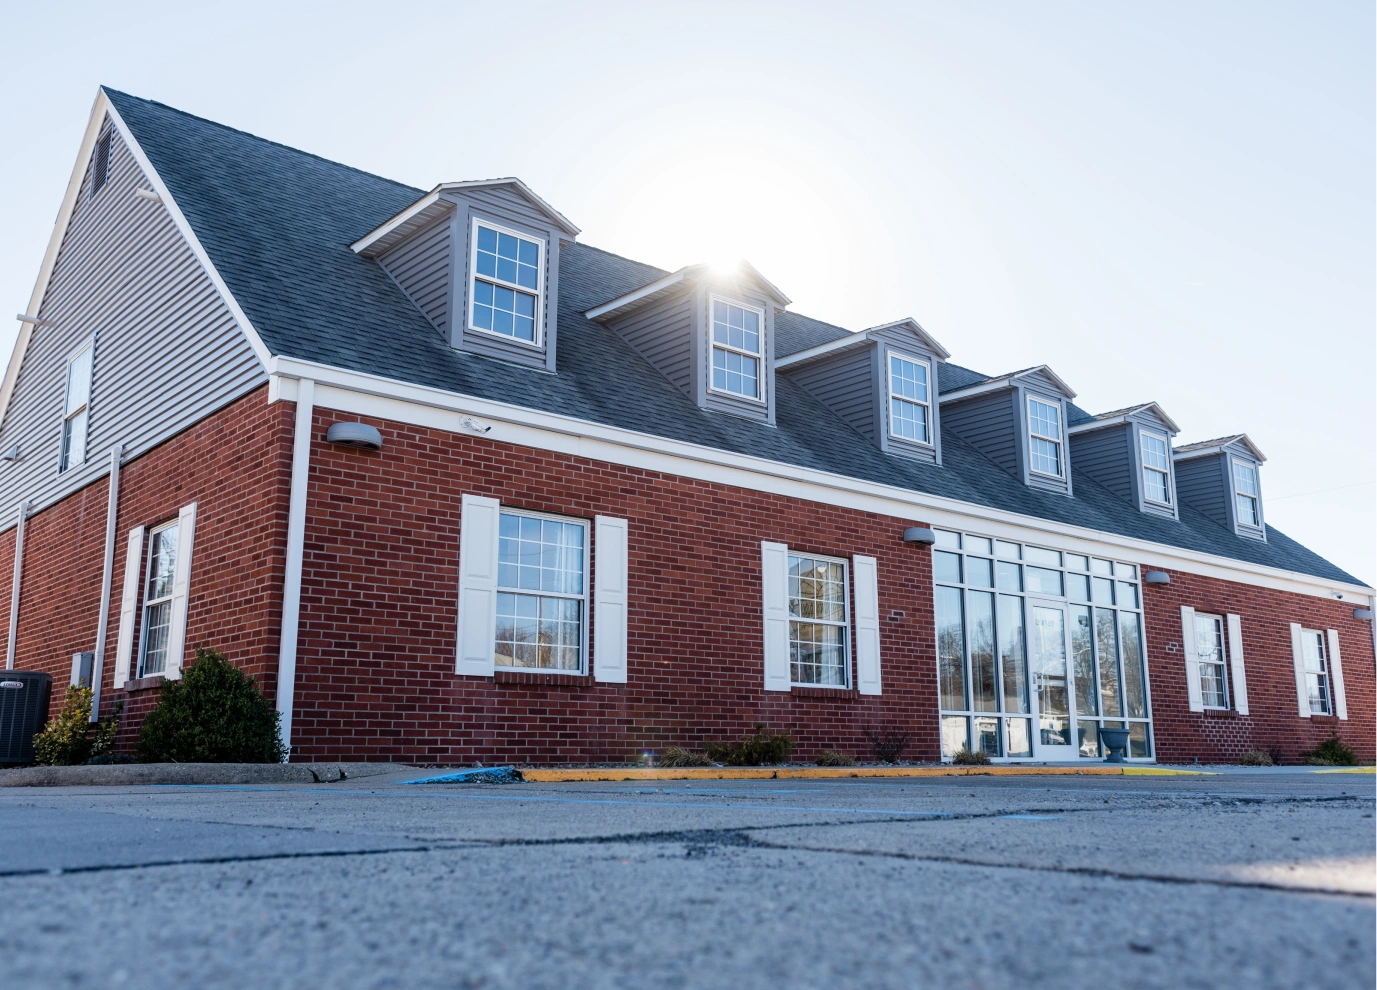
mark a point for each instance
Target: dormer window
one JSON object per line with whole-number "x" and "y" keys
{"x": 1156, "y": 469}
{"x": 506, "y": 284}
{"x": 1044, "y": 429}
{"x": 736, "y": 348}
{"x": 909, "y": 398}
{"x": 1245, "y": 495}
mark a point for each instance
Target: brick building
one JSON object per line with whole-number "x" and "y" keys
{"x": 454, "y": 486}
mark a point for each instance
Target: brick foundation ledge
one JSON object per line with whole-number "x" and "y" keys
{"x": 132, "y": 774}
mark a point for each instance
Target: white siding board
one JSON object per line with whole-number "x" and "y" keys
{"x": 168, "y": 351}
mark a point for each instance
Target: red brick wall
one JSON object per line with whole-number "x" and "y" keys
{"x": 1273, "y": 722}
{"x": 236, "y": 466}
{"x": 379, "y": 612}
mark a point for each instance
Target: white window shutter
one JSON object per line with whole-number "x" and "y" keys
{"x": 477, "y": 585}
{"x": 1336, "y": 668}
{"x": 867, "y": 625}
{"x": 774, "y": 581}
{"x": 610, "y": 599}
{"x": 1240, "y": 679}
{"x": 129, "y": 604}
{"x": 1192, "y": 657}
{"x": 1298, "y": 658}
{"x": 181, "y": 585}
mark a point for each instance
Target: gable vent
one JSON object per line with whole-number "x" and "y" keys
{"x": 100, "y": 168}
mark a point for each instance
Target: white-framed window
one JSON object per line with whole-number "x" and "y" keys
{"x": 1245, "y": 494}
{"x": 910, "y": 410}
{"x": 819, "y": 640}
{"x": 1209, "y": 651}
{"x": 157, "y": 601}
{"x": 542, "y": 593}
{"x": 1044, "y": 436}
{"x": 76, "y": 408}
{"x": 1316, "y": 660}
{"x": 1156, "y": 468}
{"x": 737, "y": 335}
{"x": 505, "y": 286}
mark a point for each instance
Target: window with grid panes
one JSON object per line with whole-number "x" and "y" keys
{"x": 542, "y": 594}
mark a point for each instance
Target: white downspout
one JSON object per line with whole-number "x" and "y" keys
{"x": 296, "y": 539}
{"x": 103, "y": 623}
{"x": 14, "y": 588}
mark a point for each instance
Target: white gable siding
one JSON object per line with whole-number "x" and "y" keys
{"x": 168, "y": 352}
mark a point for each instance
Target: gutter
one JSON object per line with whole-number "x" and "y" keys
{"x": 107, "y": 575}
{"x": 14, "y": 584}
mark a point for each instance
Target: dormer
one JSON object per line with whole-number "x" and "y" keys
{"x": 1017, "y": 420}
{"x": 710, "y": 332}
{"x": 1223, "y": 479}
{"x": 481, "y": 261}
{"x": 882, "y": 382}
{"x": 1129, "y": 452}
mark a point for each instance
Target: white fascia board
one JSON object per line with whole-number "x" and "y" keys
{"x": 559, "y": 218}
{"x": 754, "y": 272}
{"x": 45, "y": 271}
{"x": 822, "y": 350}
{"x": 913, "y": 326}
{"x": 189, "y": 235}
{"x": 980, "y": 388}
{"x": 631, "y": 298}
{"x": 1067, "y": 390}
{"x": 363, "y": 394}
{"x": 1095, "y": 424}
{"x": 382, "y": 231}
{"x": 1219, "y": 448}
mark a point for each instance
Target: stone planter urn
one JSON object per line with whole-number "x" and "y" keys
{"x": 1115, "y": 742}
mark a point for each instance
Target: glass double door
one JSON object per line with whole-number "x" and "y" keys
{"x": 1054, "y": 689}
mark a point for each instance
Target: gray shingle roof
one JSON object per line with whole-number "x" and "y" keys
{"x": 277, "y": 224}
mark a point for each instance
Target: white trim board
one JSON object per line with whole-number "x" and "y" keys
{"x": 417, "y": 405}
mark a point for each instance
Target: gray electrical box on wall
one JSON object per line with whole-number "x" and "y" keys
{"x": 81, "y": 669}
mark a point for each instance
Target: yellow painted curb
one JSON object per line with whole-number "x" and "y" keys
{"x": 1349, "y": 770}
{"x": 1163, "y": 772}
{"x": 814, "y": 773}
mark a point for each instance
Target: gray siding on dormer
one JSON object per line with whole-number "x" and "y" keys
{"x": 504, "y": 208}
{"x": 662, "y": 333}
{"x": 1200, "y": 484}
{"x": 1039, "y": 383}
{"x": 845, "y": 384}
{"x": 1107, "y": 456}
{"x": 168, "y": 353}
{"x": 423, "y": 265}
{"x": 990, "y": 423}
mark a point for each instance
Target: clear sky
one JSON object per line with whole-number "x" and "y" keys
{"x": 1161, "y": 201}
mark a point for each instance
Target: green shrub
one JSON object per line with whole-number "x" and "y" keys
{"x": 678, "y": 756}
{"x": 1331, "y": 753}
{"x": 1255, "y": 758}
{"x": 765, "y": 747}
{"x": 213, "y": 714}
{"x": 835, "y": 758}
{"x": 970, "y": 757}
{"x": 69, "y": 738}
{"x": 887, "y": 741}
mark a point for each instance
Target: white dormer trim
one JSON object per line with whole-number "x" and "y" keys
{"x": 1010, "y": 380}
{"x": 822, "y": 350}
{"x": 380, "y": 232}
{"x": 631, "y": 298}
{"x": 1127, "y": 416}
{"x": 914, "y": 327}
{"x": 1219, "y": 446}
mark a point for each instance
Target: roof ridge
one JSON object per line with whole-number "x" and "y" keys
{"x": 234, "y": 130}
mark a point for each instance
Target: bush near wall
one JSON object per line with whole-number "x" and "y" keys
{"x": 213, "y": 714}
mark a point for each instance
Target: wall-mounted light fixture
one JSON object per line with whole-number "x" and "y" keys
{"x": 149, "y": 195}
{"x": 1156, "y": 577}
{"x": 922, "y": 535}
{"x": 1363, "y": 613}
{"x": 354, "y": 435}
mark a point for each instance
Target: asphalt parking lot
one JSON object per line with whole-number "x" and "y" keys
{"x": 1248, "y": 880}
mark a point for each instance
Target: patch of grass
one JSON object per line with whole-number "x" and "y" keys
{"x": 678, "y": 756}
{"x": 1255, "y": 758}
{"x": 969, "y": 757}
{"x": 888, "y": 741}
{"x": 213, "y": 714}
{"x": 1333, "y": 752}
{"x": 762, "y": 748}
{"x": 835, "y": 758}
{"x": 69, "y": 738}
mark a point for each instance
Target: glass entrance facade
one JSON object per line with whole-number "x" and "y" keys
{"x": 1037, "y": 649}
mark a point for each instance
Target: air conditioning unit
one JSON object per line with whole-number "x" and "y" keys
{"x": 24, "y": 696}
